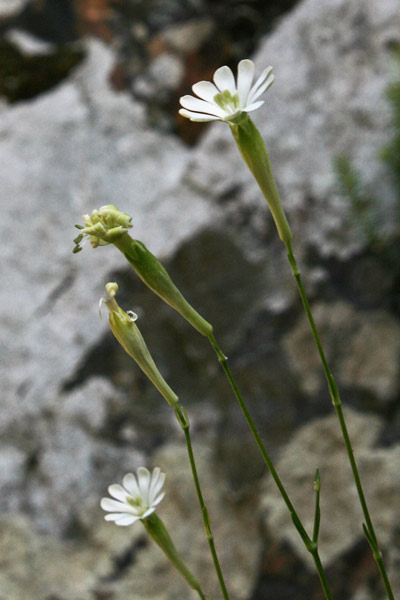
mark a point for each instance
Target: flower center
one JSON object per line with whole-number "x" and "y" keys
{"x": 137, "y": 503}
{"x": 227, "y": 102}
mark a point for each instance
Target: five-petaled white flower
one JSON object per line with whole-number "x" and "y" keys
{"x": 225, "y": 100}
{"x": 136, "y": 498}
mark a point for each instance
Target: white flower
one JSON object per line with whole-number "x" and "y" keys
{"x": 225, "y": 100}
{"x": 136, "y": 498}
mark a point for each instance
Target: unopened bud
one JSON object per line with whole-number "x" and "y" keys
{"x": 127, "y": 333}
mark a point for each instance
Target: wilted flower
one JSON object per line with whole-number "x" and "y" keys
{"x": 226, "y": 100}
{"x": 136, "y": 498}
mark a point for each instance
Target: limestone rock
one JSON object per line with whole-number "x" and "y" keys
{"x": 320, "y": 444}
{"x": 362, "y": 347}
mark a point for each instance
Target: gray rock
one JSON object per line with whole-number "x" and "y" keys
{"x": 28, "y": 44}
{"x": 38, "y": 566}
{"x": 9, "y": 8}
{"x": 188, "y": 36}
{"x": 64, "y": 154}
{"x": 320, "y": 444}
{"x": 362, "y": 347}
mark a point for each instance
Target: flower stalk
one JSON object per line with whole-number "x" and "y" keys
{"x": 311, "y": 545}
{"x": 368, "y": 527}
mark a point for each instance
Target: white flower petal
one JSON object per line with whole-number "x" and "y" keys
{"x": 126, "y": 520}
{"x": 148, "y": 512}
{"x": 265, "y": 86}
{"x": 156, "y": 488}
{"x": 118, "y": 492}
{"x": 195, "y": 104}
{"x": 197, "y": 117}
{"x": 244, "y": 80}
{"x": 114, "y": 505}
{"x": 158, "y": 499}
{"x": 224, "y": 80}
{"x": 253, "y": 106}
{"x": 155, "y": 475}
{"x": 143, "y": 476}
{"x": 113, "y": 516}
{"x": 205, "y": 90}
{"x": 130, "y": 484}
{"x": 263, "y": 82}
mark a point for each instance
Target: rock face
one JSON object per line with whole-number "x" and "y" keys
{"x": 75, "y": 412}
{"x": 64, "y": 154}
{"x": 320, "y": 444}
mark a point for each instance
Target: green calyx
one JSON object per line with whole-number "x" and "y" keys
{"x": 153, "y": 274}
{"x": 255, "y": 155}
{"x": 158, "y": 532}
{"x": 128, "y": 335}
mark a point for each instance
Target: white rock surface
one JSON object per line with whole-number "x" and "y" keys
{"x": 63, "y": 154}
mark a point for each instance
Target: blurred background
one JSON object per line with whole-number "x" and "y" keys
{"x": 89, "y": 98}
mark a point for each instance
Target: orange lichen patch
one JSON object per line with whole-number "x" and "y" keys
{"x": 156, "y": 46}
{"x": 197, "y": 68}
{"x": 94, "y": 17}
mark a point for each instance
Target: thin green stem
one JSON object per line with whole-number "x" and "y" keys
{"x": 309, "y": 544}
{"x": 337, "y": 403}
{"x": 183, "y": 421}
{"x": 317, "y": 513}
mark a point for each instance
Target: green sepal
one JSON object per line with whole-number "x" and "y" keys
{"x": 153, "y": 274}
{"x": 128, "y": 335}
{"x": 158, "y": 532}
{"x": 255, "y": 154}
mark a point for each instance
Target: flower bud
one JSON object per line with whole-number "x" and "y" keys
{"x": 103, "y": 226}
{"x": 127, "y": 333}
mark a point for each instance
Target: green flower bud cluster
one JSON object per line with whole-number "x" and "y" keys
{"x": 103, "y": 226}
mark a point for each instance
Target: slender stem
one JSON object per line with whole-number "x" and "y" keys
{"x": 317, "y": 513}
{"x": 183, "y": 421}
{"x": 309, "y": 544}
{"x": 337, "y": 403}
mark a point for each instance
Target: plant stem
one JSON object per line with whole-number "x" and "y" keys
{"x": 183, "y": 421}
{"x": 337, "y": 403}
{"x": 311, "y": 546}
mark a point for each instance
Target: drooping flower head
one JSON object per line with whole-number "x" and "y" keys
{"x": 136, "y": 498}
{"x": 225, "y": 99}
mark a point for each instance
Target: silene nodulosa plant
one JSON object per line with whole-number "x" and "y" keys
{"x": 230, "y": 101}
